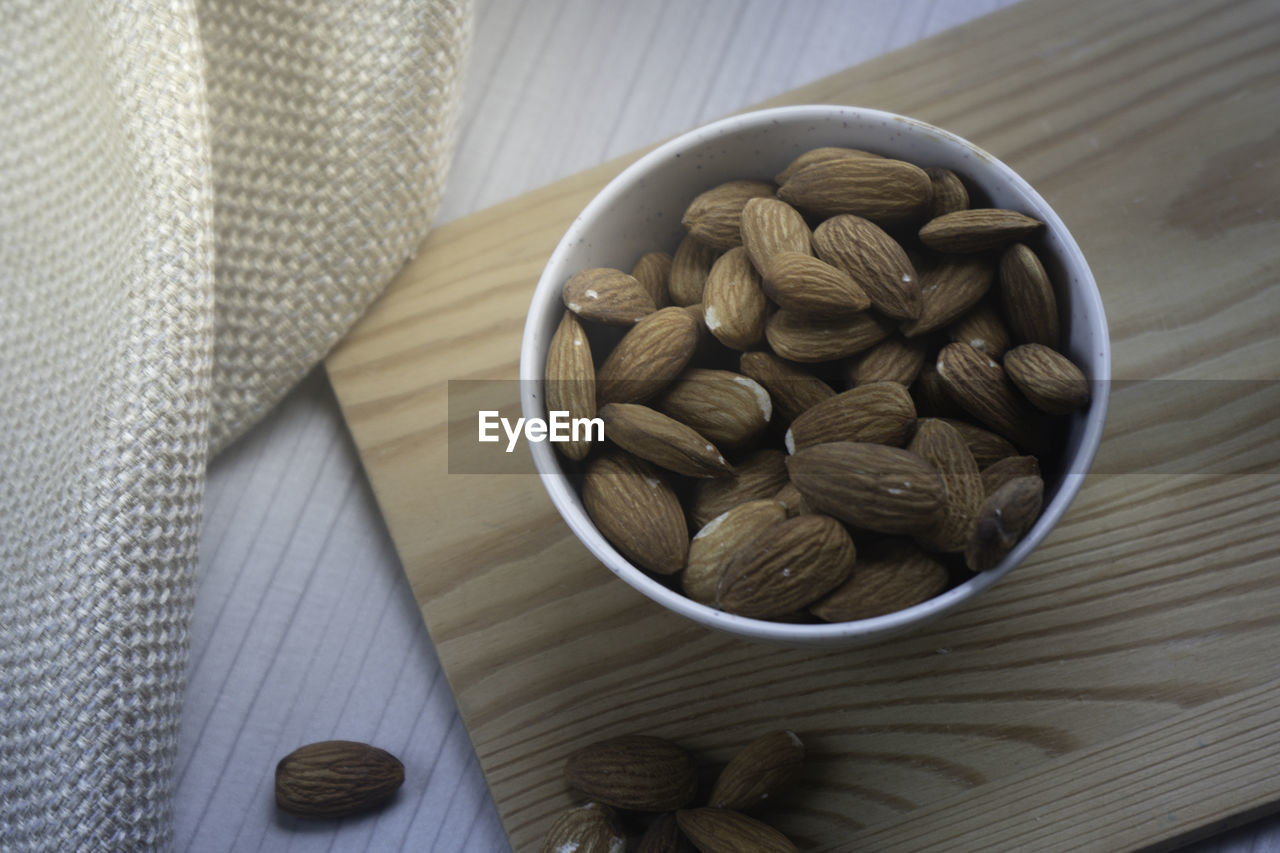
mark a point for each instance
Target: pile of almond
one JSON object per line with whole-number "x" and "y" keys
{"x": 640, "y": 777}
{"x": 843, "y": 383}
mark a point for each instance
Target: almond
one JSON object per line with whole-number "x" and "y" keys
{"x": 931, "y": 396}
{"x": 757, "y": 476}
{"x": 728, "y": 408}
{"x": 807, "y": 285}
{"x": 634, "y": 772}
{"x": 336, "y": 778}
{"x": 786, "y": 567}
{"x": 977, "y": 230}
{"x": 1050, "y": 380}
{"x": 571, "y": 379}
{"x": 949, "y": 193}
{"x": 942, "y": 446}
{"x": 733, "y": 303}
{"x": 637, "y": 512}
{"x": 879, "y": 413}
{"x": 983, "y": 390}
{"x": 770, "y": 226}
{"x": 1002, "y": 471}
{"x": 872, "y": 486}
{"x": 802, "y": 338}
{"x": 876, "y": 188}
{"x": 792, "y": 390}
{"x": 662, "y": 440}
{"x": 948, "y": 290}
{"x": 689, "y": 269}
{"x": 874, "y": 260}
{"x": 725, "y": 831}
{"x": 895, "y": 359}
{"x": 983, "y": 330}
{"x": 764, "y": 768}
{"x": 664, "y": 836}
{"x": 1006, "y": 515}
{"x": 715, "y": 216}
{"x": 605, "y": 295}
{"x": 987, "y": 447}
{"x": 722, "y": 537}
{"x": 653, "y": 271}
{"x": 820, "y": 155}
{"x": 890, "y": 575}
{"x": 789, "y": 496}
{"x": 588, "y": 829}
{"x": 650, "y": 355}
{"x": 1027, "y": 297}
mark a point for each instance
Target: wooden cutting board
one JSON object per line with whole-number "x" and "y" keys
{"x": 1119, "y": 689}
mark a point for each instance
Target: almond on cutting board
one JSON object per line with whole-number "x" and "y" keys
{"x": 726, "y": 831}
{"x": 592, "y": 828}
{"x": 634, "y": 772}
{"x": 762, "y": 769}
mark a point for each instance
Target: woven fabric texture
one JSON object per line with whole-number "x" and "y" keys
{"x": 197, "y": 199}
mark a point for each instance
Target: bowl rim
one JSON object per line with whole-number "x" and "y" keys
{"x": 565, "y": 499}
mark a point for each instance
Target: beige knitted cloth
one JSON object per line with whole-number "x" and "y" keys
{"x": 197, "y": 198}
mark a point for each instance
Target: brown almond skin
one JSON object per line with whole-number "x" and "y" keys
{"x": 690, "y": 266}
{"x": 789, "y": 496}
{"x": 634, "y": 772}
{"x": 883, "y": 190}
{"x": 664, "y": 441}
{"x": 1006, "y": 516}
{"x": 792, "y": 390}
{"x": 604, "y": 295}
{"x": 1026, "y": 295}
{"x": 939, "y": 444}
{"x": 649, "y": 357}
{"x": 871, "y": 486}
{"x": 987, "y": 447}
{"x": 664, "y": 836}
{"x": 806, "y": 339}
{"x": 874, "y": 260}
{"x": 755, "y": 477}
{"x": 808, "y": 285}
{"x": 727, "y": 408}
{"x": 895, "y": 359}
{"x": 879, "y": 413}
{"x": 1050, "y": 380}
{"x": 890, "y": 575}
{"x": 787, "y": 567}
{"x": 949, "y": 193}
{"x": 653, "y": 271}
{"x": 1011, "y": 467}
{"x": 637, "y": 512}
{"x": 982, "y": 329}
{"x": 762, "y": 769}
{"x": 980, "y": 386}
{"x": 931, "y": 397}
{"x": 714, "y": 217}
{"x": 771, "y": 226}
{"x": 948, "y": 290}
{"x": 571, "y": 379}
{"x": 977, "y": 230}
{"x": 719, "y": 540}
{"x": 733, "y": 302}
{"x": 591, "y": 828}
{"x": 820, "y": 155}
{"x": 336, "y": 778}
{"x": 726, "y": 831}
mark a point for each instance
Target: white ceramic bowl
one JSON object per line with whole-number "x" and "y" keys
{"x": 639, "y": 211}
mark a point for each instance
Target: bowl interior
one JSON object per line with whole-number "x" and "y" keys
{"x": 640, "y": 211}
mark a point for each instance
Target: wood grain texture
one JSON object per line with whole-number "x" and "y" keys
{"x": 1074, "y": 689}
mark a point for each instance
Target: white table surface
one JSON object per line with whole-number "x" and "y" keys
{"x": 305, "y": 628}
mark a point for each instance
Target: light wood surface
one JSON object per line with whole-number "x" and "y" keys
{"x": 1118, "y": 688}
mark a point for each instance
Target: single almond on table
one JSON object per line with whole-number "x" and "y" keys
{"x": 791, "y": 389}
{"x": 807, "y": 339}
{"x": 820, "y": 155}
{"x": 874, "y": 260}
{"x": 949, "y": 193}
{"x": 807, "y": 285}
{"x": 1027, "y": 297}
{"x": 728, "y": 408}
{"x": 650, "y": 355}
{"x": 653, "y": 271}
{"x": 662, "y": 440}
{"x": 770, "y": 226}
{"x": 983, "y": 390}
{"x": 637, "y": 512}
{"x": 895, "y": 359}
{"x": 726, "y": 831}
{"x": 982, "y": 329}
{"x": 757, "y": 476}
{"x": 1050, "y": 380}
{"x": 1005, "y": 517}
{"x": 722, "y": 537}
{"x": 762, "y": 769}
{"x": 733, "y": 303}
{"x": 786, "y": 567}
{"x": 634, "y": 772}
{"x": 879, "y": 413}
{"x": 570, "y": 384}
{"x": 987, "y": 447}
{"x": 872, "y": 486}
{"x": 1011, "y": 467}
{"x": 715, "y": 216}
{"x": 587, "y": 829}
{"x": 890, "y": 575}
{"x": 663, "y": 835}
{"x": 690, "y": 266}
{"x": 605, "y": 295}
{"x": 336, "y": 778}
{"x": 939, "y": 444}
{"x": 977, "y": 230}
{"x": 948, "y": 290}
{"x": 876, "y": 188}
